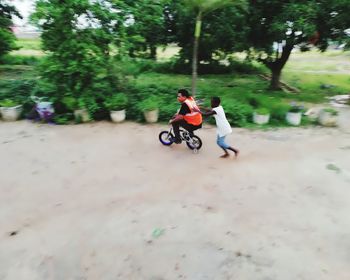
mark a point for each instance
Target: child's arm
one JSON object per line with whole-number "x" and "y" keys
{"x": 208, "y": 112}
{"x": 204, "y": 109}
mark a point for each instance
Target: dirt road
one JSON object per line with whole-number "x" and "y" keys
{"x": 103, "y": 201}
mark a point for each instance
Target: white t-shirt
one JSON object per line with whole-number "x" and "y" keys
{"x": 222, "y": 124}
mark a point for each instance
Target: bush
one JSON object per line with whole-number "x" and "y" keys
{"x": 96, "y": 108}
{"x": 70, "y": 103}
{"x": 185, "y": 67}
{"x": 116, "y": 102}
{"x": 176, "y": 65}
{"x": 167, "y": 110}
{"x": 278, "y": 113}
{"x": 331, "y": 111}
{"x": 135, "y": 66}
{"x": 43, "y": 88}
{"x": 243, "y": 67}
{"x": 19, "y": 91}
{"x": 62, "y": 119}
{"x": 8, "y": 103}
{"x": 262, "y": 111}
{"x": 238, "y": 114}
{"x": 149, "y": 104}
{"x": 20, "y": 60}
{"x": 254, "y": 101}
{"x": 294, "y": 108}
{"x": 162, "y": 96}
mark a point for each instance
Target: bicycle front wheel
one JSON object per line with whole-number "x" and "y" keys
{"x": 166, "y": 138}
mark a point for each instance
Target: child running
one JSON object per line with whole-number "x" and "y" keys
{"x": 223, "y": 126}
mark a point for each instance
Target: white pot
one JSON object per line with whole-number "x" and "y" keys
{"x": 293, "y": 118}
{"x": 327, "y": 119}
{"x": 83, "y": 114}
{"x": 11, "y": 113}
{"x": 260, "y": 119}
{"x": 151, "y": 116}
{"x": 118, "y": 116}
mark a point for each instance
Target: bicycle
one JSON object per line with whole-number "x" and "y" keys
{"x": 193, "y": 142}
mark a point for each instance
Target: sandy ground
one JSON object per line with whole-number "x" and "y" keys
{"x": 104, "y": 201}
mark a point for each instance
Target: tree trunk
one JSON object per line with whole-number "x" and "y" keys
{"x": 153, "y": 54}
{"x": 275, "y": 79}
{"x": 277, "y": 66}
{"x": 195, "y": 52}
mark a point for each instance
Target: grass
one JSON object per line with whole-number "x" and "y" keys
{"x": 315, "y": 86}
{"x": 28, "y": 47}
{"x": 29, "y": 44}
{"x": 17, "y": 72}
{"x": 319, "y": 74}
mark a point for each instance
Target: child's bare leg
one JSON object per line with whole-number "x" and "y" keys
{"x": 221, "y": 143}
{"x": 236, "y": 151}
{"x": 226, "y": 154}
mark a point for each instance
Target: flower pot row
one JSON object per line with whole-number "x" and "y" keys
{"x": 119, "y": 116}
{"x": 118, "y": 102}
{"x": 11, "y": 111}
{"x": 326, "y": 117}
{"x": 14, "y": 113}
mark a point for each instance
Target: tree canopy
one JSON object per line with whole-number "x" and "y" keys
{"x": 276, "y": 27}
{"x": 77, "y": 35}
{"x": 7, "y": 38}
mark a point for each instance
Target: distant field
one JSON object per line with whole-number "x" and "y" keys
{"x": 309, "y": 71}
{"x": 29, "y": 47}
{"x": 317, "y": 62}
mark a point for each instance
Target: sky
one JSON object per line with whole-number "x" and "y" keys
{"x": 25, "y": 7}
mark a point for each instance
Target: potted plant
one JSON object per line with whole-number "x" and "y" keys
{"x": 149, "y": 107}
{"x": 116, "y": 104}
{"x": 80, "y": 111}
{"x": 294, "y": 114}
{"x": 261, "y": 116}
{"x": 10, "y": 110}
{"x": 328, "y": 117}
{"x": 78, "y": 107}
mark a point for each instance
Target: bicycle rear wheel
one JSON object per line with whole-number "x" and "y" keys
{"x": 195, "y": 143}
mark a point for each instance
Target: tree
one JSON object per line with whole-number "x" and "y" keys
{"x": 77, "y": 35}
{"x": 7, "y": 38}
{"x": 201, "y": 8}
{"x": 145, "y": 27}
{"x": 337, "y": 26}
{"x": 276, "y": 27}
{"x": 222, "y": 33}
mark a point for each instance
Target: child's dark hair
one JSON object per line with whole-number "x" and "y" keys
{"x": 184, "y": 92}
{"x": 216, "y": 100}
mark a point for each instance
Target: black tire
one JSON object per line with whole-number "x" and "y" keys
{"x": 196, "y": 143}
{"x": 164, "y": 139}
